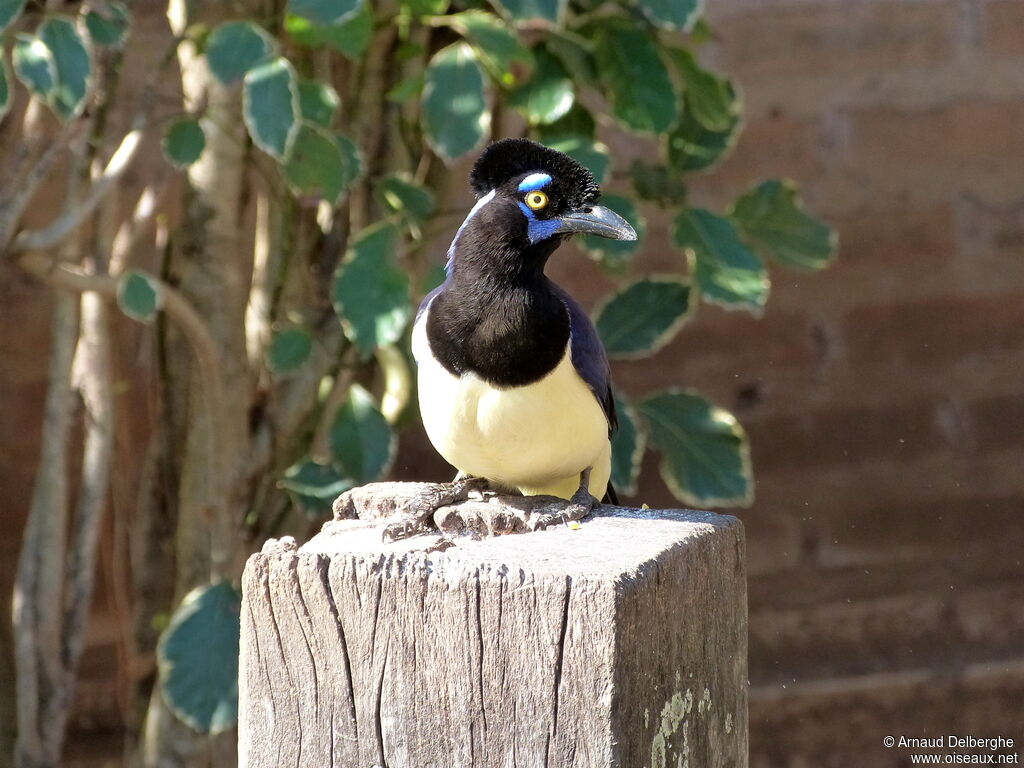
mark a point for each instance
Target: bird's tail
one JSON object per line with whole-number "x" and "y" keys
{"x": 610, "y": 496}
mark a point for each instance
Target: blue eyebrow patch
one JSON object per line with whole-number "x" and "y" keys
{"x": 534, "y": 181}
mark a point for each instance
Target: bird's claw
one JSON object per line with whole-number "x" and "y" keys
{"x": 414, "y": 521}
{"x": 580, "y": 505}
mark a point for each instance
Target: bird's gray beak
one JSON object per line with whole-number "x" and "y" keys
{"x": 597, "y": 220}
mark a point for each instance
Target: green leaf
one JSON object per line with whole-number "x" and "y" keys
{"x": 350, "y": 155}
{"x": 371, "y": 293}
{"x": 693, "y": 147}
{"x": 629, "y": 442}
{"x": 495, "y": 44}
{"x": 705, "y": 456}
{"x": 548, "y": 94}
{"x": 671, "y": 14}
{"x": 108, "y": 26}
{"x": 615, "y": 254}
{"x": 773, "y": 220}
{"x": 10, "y": 10}
{"x": 236, "y": 47}
{"x": 399, "y": 193}
{"x": 455, "y": 113}
{"x": 198, "y": 658}
{"x": 527, "y": 10}
{"x": 320, "y": 164}
{"x": 271, "y": 106}
{"x": 183, "y": 142}
{"x": 138, "y": 296}
{"x": 72, "y": 63}
{"x": 350, "y": 37}
{"x": 726, "y": 271}
{"x": 313, "y": 486}
{"x": 5, "y": 87}
{"x": 591, "y": 154}
{"x": 657, "y": 183}
{"x": 318, "y": 102}
{"x": 325, "y": 11}
{"x": 34, "y": 65}
{"x": 362, "y": 443}
{"x": 644, "y": 316}
{"x": 701, "y": 32}
{"x": 638, "y": 83}
{"x": 576, "y": 122}
{"x": 711, "y": 100}
{"x": 407, "y": 88}
{"x": 289, "y": 349}
{"x": 575, "y": 53}
{"x": 424, "y": 7}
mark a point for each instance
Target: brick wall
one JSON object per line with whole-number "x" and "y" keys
{"x": 883, "y": 397}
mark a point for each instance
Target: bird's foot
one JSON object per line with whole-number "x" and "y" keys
{"x": 464, "y": 507}
{"x": 580, "y": 505}
{"x": 415, "y": 518}
{"x": 497, "y": 514}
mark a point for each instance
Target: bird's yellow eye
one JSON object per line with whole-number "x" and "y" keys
{"x": 536, "y": 200}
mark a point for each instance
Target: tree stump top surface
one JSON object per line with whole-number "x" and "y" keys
{"x": 611, "y": 542}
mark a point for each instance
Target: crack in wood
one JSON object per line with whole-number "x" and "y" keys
{"x": 280, "y": 641}
{"x": 378, "y": 719}
{"x": 559, "y": 658}
{"x": 480, "y": 652}
{"x": 323, "y": 571}
{"x": 302, "y": 619}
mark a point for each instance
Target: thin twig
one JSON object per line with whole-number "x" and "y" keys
{"x": 67, "y": 222}
{"x": 41, "y": 154}
{"x": 320, "y": 447}
{"x": 26, "y": 187}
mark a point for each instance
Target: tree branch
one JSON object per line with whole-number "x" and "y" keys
{"x": 67, "y": 222}
{"x": 132, "y": 229}
{"x": 297, "y": 402}
{"x": 36, "y": 611}
{"x": 267, "y": 254}
{"x": 320, "y": 447}
{"x": 92, "y": 379}
{"x": 42, "y": 155}
{"x": 194, "y": 328}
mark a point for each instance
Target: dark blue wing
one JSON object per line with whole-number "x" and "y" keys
{"x": 588, "y": 357}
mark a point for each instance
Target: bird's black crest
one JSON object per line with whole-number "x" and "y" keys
{"x": 508, "y": 158}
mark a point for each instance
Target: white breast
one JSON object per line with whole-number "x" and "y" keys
{"x": 536, "y": 438}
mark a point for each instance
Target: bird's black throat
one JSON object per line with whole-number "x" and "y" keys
{"x": 497, "y": 315}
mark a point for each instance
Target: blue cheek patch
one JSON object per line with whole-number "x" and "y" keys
{"x": 542, "y": 230}
{"x": 538, "y": 229}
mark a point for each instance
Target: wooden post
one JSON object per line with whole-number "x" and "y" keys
{"x": 621, "y": 643}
